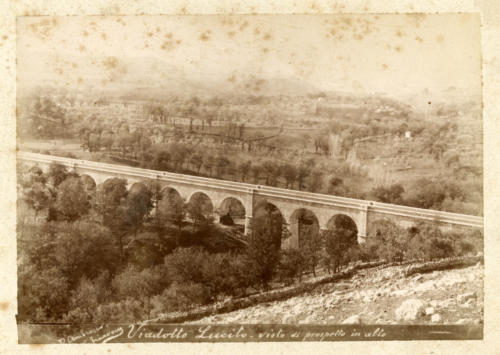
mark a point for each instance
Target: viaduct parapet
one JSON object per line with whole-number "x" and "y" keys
{"x": 290, "y": 203}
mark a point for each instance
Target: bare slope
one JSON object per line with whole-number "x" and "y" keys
{"x": 373, "y": 296}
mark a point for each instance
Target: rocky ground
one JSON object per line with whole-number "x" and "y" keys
{"x": 380, "y": 295}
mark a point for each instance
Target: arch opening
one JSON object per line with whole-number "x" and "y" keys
{"x": 343, "y": 229}
{"x": 304, "y": 228}
{"x": 111, "y": 191}
{"x": 200, "y": 207}
{"x": 232, "y": 212}
{"x": 170, "y": 204}
{"x": 89, "y": 185}
{"x": 268, "y": 220}
{"x": 138, "y": 187}
{"x": 88, "y": 182}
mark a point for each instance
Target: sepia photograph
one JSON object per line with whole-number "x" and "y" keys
{"x": 249, "y": 178}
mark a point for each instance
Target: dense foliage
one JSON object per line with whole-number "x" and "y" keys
{"x": 107, "y": 253}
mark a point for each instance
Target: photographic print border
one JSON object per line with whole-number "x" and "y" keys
{"x": 8, "y": 306}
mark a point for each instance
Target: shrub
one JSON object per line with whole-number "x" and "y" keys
{"x": 427, "y": 242}
{"x": 263, "y": 251}
{"x": 220, "y": 274}
{"x": 425, "y": 193}
{"x": 136, "y": 284}
{"x": 83, "y": 248}
{"x": 391, "y": 194}
{"x": 86, "y": 297}
{"x": 291, "y": 266}
{"x": 146, "y": 250}
{"x": 185, "y": 264}
{"x": 440, "y": 248}
{"x": 127, "y": 310}
{"x": 43, "y": 293}
{"x": 387, "y": 241}
{"x": 368, "y": 251}
{"x": 311, "y": 244}
{"x": 225, "y": 274}
{"x": 338, "y": 241}
{"x": 474, "y": 241}
{"x": 72, "y": 199}
{"x": 179, "y": 297}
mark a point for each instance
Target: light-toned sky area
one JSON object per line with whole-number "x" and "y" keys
{"x": 392, "y": 54}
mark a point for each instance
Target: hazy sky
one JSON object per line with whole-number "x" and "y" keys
{"x": 394, "y": 54}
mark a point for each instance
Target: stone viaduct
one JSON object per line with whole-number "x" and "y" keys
{"x": 290, "y": 203}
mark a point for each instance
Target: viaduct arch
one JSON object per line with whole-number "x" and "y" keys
{"x": 320, "y": 208}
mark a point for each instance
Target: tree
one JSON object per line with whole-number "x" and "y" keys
{"x": 158, "y": 113}
{"x": 387, "y": 241}
{"x": 426, "y": 241}
{"x": 291, "y": 265}
{"x": 270, "y": 170}
{"x": 94, "y": 142}
{"x": 347, "y": 142}
{"x": 172, "y": 209}
{"x": 156, "y": 197}
{"x": 316, "y": 180}
{"x": 178, "y": 153}
{"x": 57, "y": 173}
{"x": 302, "y": 173}
{"x": 136, "y": 283}
{"x": 263, "y": 250}
{"x": 425, "y": 193}
{"x": 196, "y": 161}
{"x": 392, "y": 194}
{"x": 231, "y": 170}
{"x": 37, "y": 196}
{"x": 321, "y": 143}
{"x": 72, "y": 200}
{"x": 244, "y": 168}
{"x": 221, "y": 164}
{"x": 199, "y": 210}
{"x": 43, "y": 293}
{"x": 84, "y": 248}
{"x": 107, "y": 140}
{"x": 137, "y": 206}
{"x": 311, "y": 244}
{"x": 186, "y": 264}
{"x": 338, "y": 241}
{"x": 210, "y": 117}
{"x": 143, "y": 145}
{"x": 86, "y": 298}
{"x": 335, "y": 184}
{"x": 208, "y": 164}
{"x": 35, "y": 175}
{"x": 48, "y": 119}
{"x": 111, "y": 194}
{"x": 289, "y": 172}
{"x": 161, "y": 159}
{"x": 256, "y": 171}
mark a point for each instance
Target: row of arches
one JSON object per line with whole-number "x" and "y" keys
{"x": 231, "y": 211}
{"x": 303, "y": 222}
